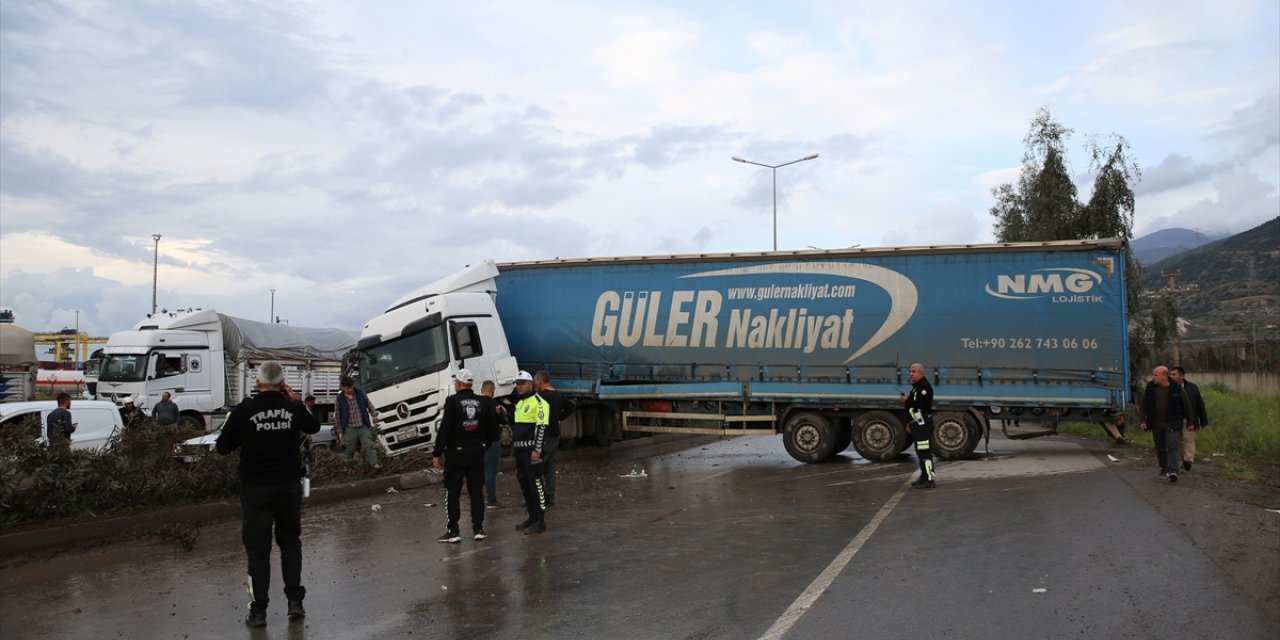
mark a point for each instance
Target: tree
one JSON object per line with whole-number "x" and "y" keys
{"x": 1042, "y": 206}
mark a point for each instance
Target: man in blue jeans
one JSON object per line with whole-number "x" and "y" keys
{"x": 493, "y": 455}
{"x": 354, "y": 421}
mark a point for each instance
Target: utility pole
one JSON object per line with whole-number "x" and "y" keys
{"x": 155, "y": 272}
{"x": 1177, "y": 335}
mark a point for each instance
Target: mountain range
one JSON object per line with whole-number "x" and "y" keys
{"x": 1225, "y": 289}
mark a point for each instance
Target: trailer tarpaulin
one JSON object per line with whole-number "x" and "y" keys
{"x": 246, "y": 339}
{"x": 17, "y": 346}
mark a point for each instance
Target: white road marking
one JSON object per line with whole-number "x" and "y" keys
{"x": 828, "y": 575}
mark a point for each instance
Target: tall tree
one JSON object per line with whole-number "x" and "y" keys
{"x": 1043, "y": 206}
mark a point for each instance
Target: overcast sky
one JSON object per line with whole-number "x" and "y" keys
{"x": 344, "y": 155}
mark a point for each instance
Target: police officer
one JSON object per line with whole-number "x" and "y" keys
{"x": 919, "y": 405}
{"x": 529, "y": 433}
{"x": 266, "y": 429}
{"x": 467, "y": 428}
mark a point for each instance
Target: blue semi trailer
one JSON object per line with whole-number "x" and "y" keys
{"x": 814, "y": 345}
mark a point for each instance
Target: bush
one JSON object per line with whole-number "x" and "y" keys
{"x": 137, "y": 470}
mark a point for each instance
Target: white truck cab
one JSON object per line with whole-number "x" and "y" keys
{"x": 406, "y": 357}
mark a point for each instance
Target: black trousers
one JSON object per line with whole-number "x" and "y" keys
{"x": 530, "y": 473}
{"x": 264, "y": 507}
{"x": 465, "y": 464}
{"x": 920, "y": 435}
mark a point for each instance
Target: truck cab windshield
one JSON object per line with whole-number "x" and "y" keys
{"x": 404, "y": 358}
{"x": 123, "y": 367}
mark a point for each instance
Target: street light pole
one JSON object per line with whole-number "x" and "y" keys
{"x": 272, "y": 319}
{"x": 155, "y": 271}
{"x": 774, "y": 168}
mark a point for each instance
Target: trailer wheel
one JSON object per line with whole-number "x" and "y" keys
{"x": 606, "y": 427}
{"x": 953, "y": 437}
{"x": 879, "y": 436}
{"x": 809, "y": 437}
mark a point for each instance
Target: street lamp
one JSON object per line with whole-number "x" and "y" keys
{"x": 272, "y": 319}
{"x": 775, "y": 167}
{"x": 155, "y": 271}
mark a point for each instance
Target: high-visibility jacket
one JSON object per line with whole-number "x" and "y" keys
{"x": 529, "y": 422}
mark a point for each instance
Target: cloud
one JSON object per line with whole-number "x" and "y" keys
{"x": 1238, "y": 201}
{"x": 1174, "y": 172}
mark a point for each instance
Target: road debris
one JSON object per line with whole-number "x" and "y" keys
{"x": 635, "y": 473}
{"x": 377, "y": 508}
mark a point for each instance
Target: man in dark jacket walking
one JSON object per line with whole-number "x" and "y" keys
{"x": 1165, "y": 410}
{"x": 467, "y": 428}
{"x": 1199, "y": 418}
{"x": 266, "y": 429}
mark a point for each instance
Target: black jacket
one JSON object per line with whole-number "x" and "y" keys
{"x": 1199, "y": 417}
{"x": 1177, "y": 412}
{"x": 561, "y": 408}
{"x": 469, "y": 421}
{"x": 266, "y": 428}
{"x": 919, "y": 403}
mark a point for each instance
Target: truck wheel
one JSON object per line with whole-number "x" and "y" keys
{"x": 606, "y": 427}
{"x": 188, "y": 422}
{"x": 953, "y": 437}
{"x": 809, "y": 437}
{"x": 879, "y": 436}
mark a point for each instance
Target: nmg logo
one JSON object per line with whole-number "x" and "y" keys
{"x": 1064, "y": 284}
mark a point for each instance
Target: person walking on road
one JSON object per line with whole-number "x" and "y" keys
{"x": 919, "y": 405}
{"x": 1198, "y": 418}
{"x": 166, "y": 412}
{"x": 529, "y": 434}
{"x": 1165, "y": 410}
{"x": 266, "y": 429}
{"x": 493, "y": 454}
{"x": 467, "y": 428}
{"x": 561, "y": 408}
{"x": 355, "y": 421}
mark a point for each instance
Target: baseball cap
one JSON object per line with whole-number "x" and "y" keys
{"x": 464, "y": 376}
{"x": 524, "y": 376}
{"x": 127, "y": 400}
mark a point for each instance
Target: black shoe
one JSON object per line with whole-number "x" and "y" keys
{"x": 1173, "y": 477}
{"x": 1186, "y": 465}
{"x": 537, "y": 527}
{"x": 1164, "y": 475}
{"x": 525, "y": 525}
{"x": 295, "y": 610}
{"x": 922, "y": 484}
{"x": 257, "y": 618}
{"x": 449, "y": 537}
{"x": 478, "y": 533}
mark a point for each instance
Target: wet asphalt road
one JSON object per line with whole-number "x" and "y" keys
{"x": 718, "y": 541}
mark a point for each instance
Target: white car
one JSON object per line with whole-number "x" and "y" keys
{"x": 187, "y": 451}
{"x": 96, "y": 420}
